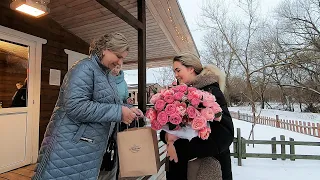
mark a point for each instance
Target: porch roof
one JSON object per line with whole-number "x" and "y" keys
{"x": 167, "y": 32}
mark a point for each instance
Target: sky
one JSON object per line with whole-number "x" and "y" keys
{"x": 192, "y": 11}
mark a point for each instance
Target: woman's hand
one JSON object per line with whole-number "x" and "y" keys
{"x": 218, "y": 118}
{"x": 171, "y": 152}
{"x": 127, "y": 115}
{"x": 137, "y": 111}
{"x": 171, "y": 137}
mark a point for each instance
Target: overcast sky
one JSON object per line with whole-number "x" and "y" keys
{"x": 192, "y": 10}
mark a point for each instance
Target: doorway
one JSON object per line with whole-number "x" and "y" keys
{"x": 20, "y": 79}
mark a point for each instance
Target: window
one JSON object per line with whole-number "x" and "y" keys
{"x": 14, "y": 62}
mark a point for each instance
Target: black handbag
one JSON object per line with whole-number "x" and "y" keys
{"x": 109, "y": 157}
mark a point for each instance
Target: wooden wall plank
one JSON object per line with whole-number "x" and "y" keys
{"x": 53, "y": 55}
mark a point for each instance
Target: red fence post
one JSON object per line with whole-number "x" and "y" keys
{"x": 314, "y": 128}
{"x": 301, "y": 127}
{"x": 277, "y": 121}
{"x": 309, "y": 128}
{"x": 297, "y": 126}
{"x": 318, "y": 124}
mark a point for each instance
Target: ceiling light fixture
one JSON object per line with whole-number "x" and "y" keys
{"x": 36, "y": 8}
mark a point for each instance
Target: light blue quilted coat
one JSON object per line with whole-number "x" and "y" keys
{"x": 85, "y": 114}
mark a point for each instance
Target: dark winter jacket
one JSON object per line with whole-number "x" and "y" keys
{"x": 20, "y": 97}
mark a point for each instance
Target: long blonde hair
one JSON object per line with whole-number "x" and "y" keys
{"x": 190, "y": 60}
{"x": 115, "y": 42}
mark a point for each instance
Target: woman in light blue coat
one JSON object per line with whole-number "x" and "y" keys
{"x": 122, "y": 85}
{"x": 85, "y": 115}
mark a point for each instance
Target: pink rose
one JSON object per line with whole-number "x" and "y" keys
{"x": 208, "y": 114}
{"x": 199, "y": 123}
{"x": 204, "y": 133}
{"x": 198, "y": 94}
{"x": 151, "y": 114}
{"x": 159, "y": 105}
{"x": 216, "y": 108}
{"x": 177, "y": 103}
{"x": 195, "y": 94}
{"x": 175, "y": 89}
{"x": 168, "y": 98}
{"x": 155, "y": 98}
{"x": 168, "y": 92}
{"x": 208, "y": 96}
{"x": 175, "y": 119}
{"x": 171, "y": 109}
{"x": 178, "y": 96}
{"x": 181, "y": 110}
{"x": 155, "y": 125}
{"x": 208, "y": 103}
{"x": 182, "y": 88}
{"x": 190, "y": 89}
{"x": 195, "y": 102}
{"x": 162, "y": 118}
{"x": 192, "y": 112}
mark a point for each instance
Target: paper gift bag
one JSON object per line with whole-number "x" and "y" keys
{"x": 138, "y": 152}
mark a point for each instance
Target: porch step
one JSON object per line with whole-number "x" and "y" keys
{"x": 24, "y": 173}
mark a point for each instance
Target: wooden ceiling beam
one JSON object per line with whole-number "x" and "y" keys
{"x": 150, "y": 60}
{"x": 122, "y": 13}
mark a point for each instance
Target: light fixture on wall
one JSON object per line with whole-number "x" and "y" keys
{"x": 36, "y": 8}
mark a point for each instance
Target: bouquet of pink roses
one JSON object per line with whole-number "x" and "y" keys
{"x": 184, "y": 111}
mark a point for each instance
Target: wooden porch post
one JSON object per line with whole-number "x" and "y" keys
{"x": 140, "y": 25}
{"x": 142, "y": 56}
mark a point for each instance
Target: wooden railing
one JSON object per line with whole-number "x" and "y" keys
{"x": 240, "y": 152}
{"x": 307, "y": 128}
{"x": 240, "y": 144}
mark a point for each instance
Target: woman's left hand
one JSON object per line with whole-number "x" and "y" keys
{"x": 171, "y": 137}
{"x": 171, "y": 152}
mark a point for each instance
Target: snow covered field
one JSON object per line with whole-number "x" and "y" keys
{"x": 286, "y": 115}
{"x": 267, "y": 169}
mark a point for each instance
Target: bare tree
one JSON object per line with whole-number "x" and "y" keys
{"x": 218, "y": 52}
{"x": 164, "y": 76}
{"x": 216, "y": 19}
{"x": 300, "y": 30}
{"x": 300, "y": 20}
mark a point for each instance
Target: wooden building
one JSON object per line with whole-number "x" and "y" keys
{"x": 42, "y": 50}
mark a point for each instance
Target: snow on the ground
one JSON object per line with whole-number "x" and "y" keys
{"x": 267, "y": 169}
{"x": 286, "y": 115}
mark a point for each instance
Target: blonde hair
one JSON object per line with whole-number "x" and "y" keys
{"x": 190, "y": 60}
{"x": 115, "y": 42}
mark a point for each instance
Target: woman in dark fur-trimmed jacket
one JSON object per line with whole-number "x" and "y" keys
{"x": 212, "y": 155}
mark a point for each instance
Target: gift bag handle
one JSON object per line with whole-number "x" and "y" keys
{"x": 137, "y": 119}
{"x": 136, "y": 122}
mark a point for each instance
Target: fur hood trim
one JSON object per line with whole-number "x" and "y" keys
{"x": 209, "y": 75}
